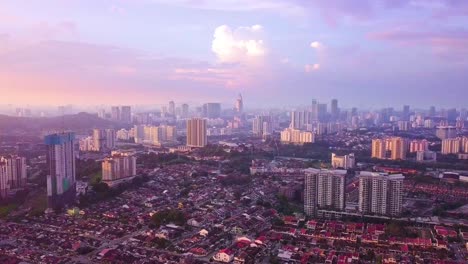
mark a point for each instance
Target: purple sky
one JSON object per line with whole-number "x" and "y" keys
{"x": 276, "y": 52}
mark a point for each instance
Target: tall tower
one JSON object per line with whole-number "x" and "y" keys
{"x": 126, "y": 114}
{"x": 239, "y": 104}
{"x": 171, "y": 108}
{"x": 334, "y": 111}
{"x": 196, "y": 132}
{"x": 61, "y": 188}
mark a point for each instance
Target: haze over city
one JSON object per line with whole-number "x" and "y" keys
{"x": 234, "y": 131}
{"x": 367, "y": 53}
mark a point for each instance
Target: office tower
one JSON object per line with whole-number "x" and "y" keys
{"x": 398, "y": 148}
{"x": 451, "y": 145}
{"x": 196, "y": 132}
{"x": 322, "y": 112}
{"x": 299, "y": 119}
{"x": 419, "y": 145}
{"x": 239, "y": 104}
{"x": 345, "y": 162}
{"x": 115, "y": 113}
{"x": 403, "y": 125}
{"x": 118, "y": 166}
{"x": 314, "y": 111}
{"x": 61, "y": 187}
{"x": 12, "y": 174}
{"x": 380, "y": 193}
{"x": 212, "y": 110}
{"x": 444, "y": 132}
{"x": 261, "y": 125}
{"x": 432, "y": 111}
{"x": 185, "y": 110}
{"x": 406, "y": 113}
{"x": 296, "y": 136}
{"x": 324, "y": 189}
{"x": 171, "y": 108}
{"x": 378, "y": 148}
{"x": 126, "y": 114}
{"x": 452, "y": 115}
{"x": 334, "y": 111}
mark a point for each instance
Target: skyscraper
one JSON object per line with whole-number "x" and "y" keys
{"x": 12, "y": 174}
{"x": 115, "y": 113}
{"x": 261, "y": 125}
{"x": 196, "y": 132}
{"x": 314, "y": 110}
{"x": 185, "y": 110}
{"x": 299, "y": 119}
{"x": 334, "y": 111}
{"x": 406, "y": 113}
{"x": 380, "y": 193}
{"x": 324, "y": 189}
{"x": 239, "y": 104}
{"x": 126, "y": 114}
{"x": 171, "y": 108}
{"x": 61, "y": 188}
{"x": 212, "y": 110}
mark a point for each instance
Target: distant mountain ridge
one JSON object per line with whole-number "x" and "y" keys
{"x": 78, "y": 121}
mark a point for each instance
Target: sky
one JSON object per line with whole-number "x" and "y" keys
{"x": 275, "y": 52}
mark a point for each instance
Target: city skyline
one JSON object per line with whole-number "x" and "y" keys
{"x": 271, "y": 51}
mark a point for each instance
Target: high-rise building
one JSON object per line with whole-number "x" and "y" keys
{"x": 103, "y": 139}
{"x": 403, "y": 125}
{"x": 126, "y": 114}
{"x": 380, "y": 193}
{"x": 444, "y": 132}
{"x": 432, "y": 111}
{"x": 419, "y": 145}
{"x": 196, "y": 132}
{"x": 296, "y": 136}
{"x": 115, "y": 113}
{"x": 398, "y": 148}
{"x": 299, "y": 119}
{"x": 262, "y": 126}
{"x": 314, "y": 110}
{"x": 171, "y": 108}
{"x": 464, "y": 145}
{"x": 406, "y": 113}
{"x": 118, "y": 166}
{"x": 239, "y": 104}
{"x": 185, "y": 110}
{"x": 324, "y": 189}
{"x": 378, "y": 148}
{"x": 334, "y": 110}
{"x": 12, "y": 174}
{"x": 345, "y": 162}
{"x": 212, "y": 110}
{"x": 61, "y": 188}
{"x": 426, "y": 156}
{"x": 451, "y": 146}
{"x": 322, "y": 112}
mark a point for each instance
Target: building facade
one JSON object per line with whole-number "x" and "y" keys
{"x": 196, "y": 133}
{"x": 324, "y": 189}
{"x": 61, "y": 188}
{"x": 380, "y": 193}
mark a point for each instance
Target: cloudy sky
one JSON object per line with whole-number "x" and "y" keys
{"x": 365, "y": 53}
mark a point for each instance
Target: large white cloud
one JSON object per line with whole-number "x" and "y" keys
{"x": 239, "y": 45}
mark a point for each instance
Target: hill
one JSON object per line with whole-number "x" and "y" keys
{"x": 74, "y": 122}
